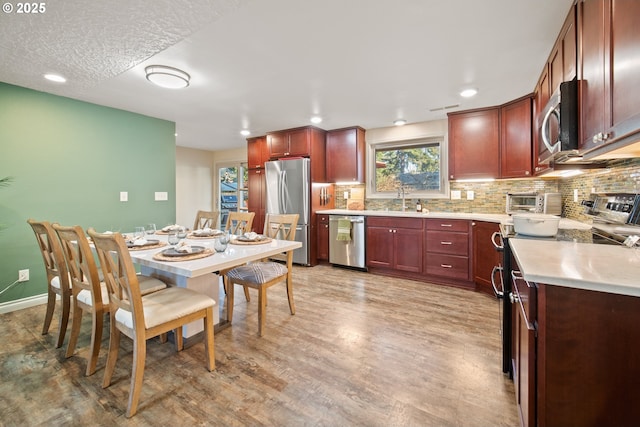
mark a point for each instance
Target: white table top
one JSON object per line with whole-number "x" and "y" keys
{"x": 233, "y": 256}
{"x": 605, "y": 268}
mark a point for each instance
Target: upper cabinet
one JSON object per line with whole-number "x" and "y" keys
{"x": 515, "y": 139}
{"x": 492, "y": 142}
{"x": 308, "y": 141}
{"x": 346, "y": 152}
{"x": 474, "y": 144}
{"x": 257, "y": 153}
{"x": 563, "y": 60}
{"x": 610, "y": 74}
{"x": 299, "y": 142}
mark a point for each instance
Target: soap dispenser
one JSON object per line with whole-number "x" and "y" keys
{"x": 418, "y": 206}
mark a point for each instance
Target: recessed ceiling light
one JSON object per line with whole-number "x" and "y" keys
{"x": 468, "y": 93}
{"x": 55, "y": 78}
{"x": 245, "y": 132}
{"x": 316, "y": 119}
{"x": 167, "y": 77}
{"x": 400, "y": 122}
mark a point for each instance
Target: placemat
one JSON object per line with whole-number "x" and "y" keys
{"x": 160, "y": 257}
{"x": 147, "y": 247}
{"x": 255, "y": 242}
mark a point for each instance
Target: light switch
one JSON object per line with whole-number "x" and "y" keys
{"x": 456, "y": 194}
{"x": 161, "y": 196}
{"x": 575, "y": 195}
{"x": 124, "y": 196}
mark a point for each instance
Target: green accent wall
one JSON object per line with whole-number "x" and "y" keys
{"x": 69, "y": 161}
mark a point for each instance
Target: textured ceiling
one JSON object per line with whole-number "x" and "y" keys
{"x": 270, "y": 64}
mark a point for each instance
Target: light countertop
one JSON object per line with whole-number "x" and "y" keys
{"x": 497, "y": 218}
{"x": 605, "y": 268}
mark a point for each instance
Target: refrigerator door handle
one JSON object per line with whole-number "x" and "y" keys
{"x": 284, "y": 193}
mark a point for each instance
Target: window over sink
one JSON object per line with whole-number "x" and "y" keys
{"x": 417, "y": 165}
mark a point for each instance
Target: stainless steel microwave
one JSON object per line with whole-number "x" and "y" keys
{"x": 558, "y": 125}
{"x": 547, "y": 203}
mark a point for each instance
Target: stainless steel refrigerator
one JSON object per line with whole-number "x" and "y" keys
{"x": 288, "y": 191}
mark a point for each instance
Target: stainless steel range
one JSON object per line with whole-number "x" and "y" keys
{"x": 616, "y": 221}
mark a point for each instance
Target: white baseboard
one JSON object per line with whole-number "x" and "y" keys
{"x": 19, "y": 304}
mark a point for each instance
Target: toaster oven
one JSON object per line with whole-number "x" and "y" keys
{"x": 534, "y": 202}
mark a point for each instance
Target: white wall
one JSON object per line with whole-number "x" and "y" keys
{"x": 196, "y": 173}
{"x": 194, "y": 183}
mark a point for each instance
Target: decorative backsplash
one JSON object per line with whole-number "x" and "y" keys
{"x": 623, "y": 178}
{"x": 489, "y": 197}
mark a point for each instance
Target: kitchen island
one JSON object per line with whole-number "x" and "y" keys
{"x": 575, "y": 338}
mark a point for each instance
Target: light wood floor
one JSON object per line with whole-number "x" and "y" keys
{"x": 361, "y": 350}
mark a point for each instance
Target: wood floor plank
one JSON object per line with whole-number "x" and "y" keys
{"x": 361, "y": 350}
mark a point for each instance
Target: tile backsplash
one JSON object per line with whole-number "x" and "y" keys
{"x": 489, "y": 197}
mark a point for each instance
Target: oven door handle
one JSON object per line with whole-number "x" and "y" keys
{"x": 497, "y": 268}
{"x": 494, "y": 240}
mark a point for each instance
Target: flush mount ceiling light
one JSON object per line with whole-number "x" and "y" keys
{"x": 55, "y": 78}
{"x": 245, "y": 132}
{"x": 400, "y": 122}
{"x": 167, "y": 77}
{"x": 316, "y": 120}
{"x": 468, "y": 93}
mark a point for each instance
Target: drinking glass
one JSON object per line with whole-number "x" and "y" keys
{"x": 150, "y": 229}
{"x": 182, "y": 233}
{"x": 220, "y": 243}
{"x": 139, "y": 232}
{"x": 173, "y": 238}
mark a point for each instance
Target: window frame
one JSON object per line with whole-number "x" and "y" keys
{"x": 444, "y": 191}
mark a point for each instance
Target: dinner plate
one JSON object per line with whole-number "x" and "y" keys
{"x": 173, "y": 252}
{"x": 150, "y": 242}
{"x": 246, "y": 239}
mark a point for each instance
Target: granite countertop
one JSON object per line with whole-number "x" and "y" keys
{"x": 605, "y": 268}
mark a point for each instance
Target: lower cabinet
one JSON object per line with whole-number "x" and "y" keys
{"x": 448, "y": 250}
{"x": 323, "y": 237}
{"x": 485, "y": 255}
{"x": 395, "y": 244}
{"x": 576, "y": 356}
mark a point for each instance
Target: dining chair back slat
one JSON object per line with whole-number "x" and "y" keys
{"x": 58, "y": 281}
{"x": 239, "y": 223}
{"x": 206, "y": 219}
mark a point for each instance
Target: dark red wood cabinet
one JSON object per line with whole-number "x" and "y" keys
{"x": 576, "y": 356}
{"x": 394, "y": 244}
{"x": 448, "y": 249}
{"x": 474, "y": 144}
{"x": 346, "y": 155}
{"x": 485, "y": 255}
{"x": 323, "y": 237}
{"x": 516, "y": 148}
{"x": 257, "y": 193}
{"x": 257, "y": 152}
{"x": 609, "y": 73}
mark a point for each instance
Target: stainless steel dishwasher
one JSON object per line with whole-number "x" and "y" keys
{"x": 349, "y": 253}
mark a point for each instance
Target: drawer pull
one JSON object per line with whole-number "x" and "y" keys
{"x": 446, "y": 243}
{"x": 446, "y": 266}
{"x": 446, "y": 225}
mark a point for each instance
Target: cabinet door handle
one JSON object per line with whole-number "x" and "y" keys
{"x": 446, "y": 225}
{"x": 446, "y": 266}
{"x": 446, "y": 243}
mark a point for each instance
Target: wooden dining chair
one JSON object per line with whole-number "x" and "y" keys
{"x": 143, "y": 317}
{"x": 206, "y": 219}
{"x": 58, "y": 281}
{"x": 89, "y": 292}
{"x": 264, "y": 274}
{"x": 239, "y": 222}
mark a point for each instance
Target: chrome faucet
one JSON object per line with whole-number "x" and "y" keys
{"x": 401, "y": 194}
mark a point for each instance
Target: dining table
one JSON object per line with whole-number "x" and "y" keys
{"x": 203, "y": 273}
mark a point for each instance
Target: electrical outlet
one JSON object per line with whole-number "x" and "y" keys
{"x": 23, "y": 275}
